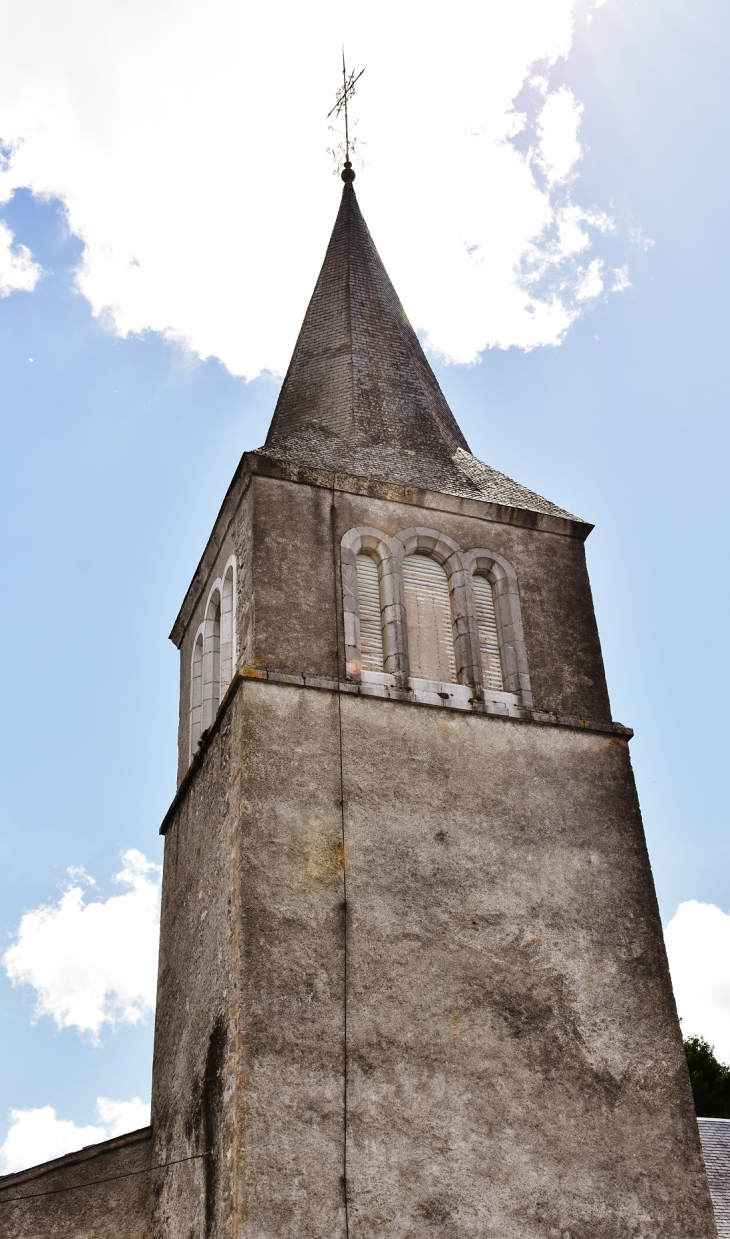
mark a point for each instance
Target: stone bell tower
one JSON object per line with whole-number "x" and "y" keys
{"x": 412, "y": 980}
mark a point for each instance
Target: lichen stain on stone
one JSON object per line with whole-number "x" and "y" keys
{"x": 437, "y": 1212}
{"x": 202, "y": 1123}
{"x": 324, "y": 857}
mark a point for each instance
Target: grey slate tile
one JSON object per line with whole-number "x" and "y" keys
{"x": 715, "y": 1137}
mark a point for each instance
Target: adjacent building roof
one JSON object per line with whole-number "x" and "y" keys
{"x": 360, "y": 397}
{"x": 715, "y": 1137}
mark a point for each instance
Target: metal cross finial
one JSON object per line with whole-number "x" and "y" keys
{"x": 344, "y": 95}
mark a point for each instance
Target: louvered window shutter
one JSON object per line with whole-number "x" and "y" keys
{"x": 430, "y": 624}
{"x": 371, "y": 625}
{"x": 488, "y": 642}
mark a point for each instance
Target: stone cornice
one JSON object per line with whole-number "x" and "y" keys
{"x": 435, "y": 501}
{"x": 272, "y": 675}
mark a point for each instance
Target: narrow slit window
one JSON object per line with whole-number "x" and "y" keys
{"x": 488, "y": 638}
{"x": 196, "y": 696}
{"x": 227, "y": 633}
{"x": 430, "y": 621}
{"x": 211, "y": 662}
{"x": 371, "y": 623}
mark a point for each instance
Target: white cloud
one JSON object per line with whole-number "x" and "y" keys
{"x": 39, "y": 1135}
{"x": 188, "y": 145}
{"x": 591, "y": 283}
{"x": 638, "y": 239}
{"x": 77, "y": 872}
{"x": 558, "y": 125}
{"x": 18, "y": 271}
{"x": 93, "y": 963}
{"x": 698, "y": 946}
{"x": 121, "y": 1116}
{"x": 621, "y": 279}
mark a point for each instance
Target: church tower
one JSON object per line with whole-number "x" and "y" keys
{"x": 412, "y": 979}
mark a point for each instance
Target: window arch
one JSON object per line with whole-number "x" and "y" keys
{"x": 501, "y": 576}
{"x": 364, "y": 550}
{"x": 228, "y": 633}
{"x": 196, "y": 694}
{"x": 446, "y": 616}
{"x": 211, "y": 659}
{"x": 443, "y": 551}
{"x": 214, "y": 655}
{"x": 370, "y": 612}
{"x": 430, "y": 619}
{"x": 488, "y": 633}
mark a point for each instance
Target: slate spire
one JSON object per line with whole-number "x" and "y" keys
{"x": 358, "y": 370}
{"x": 359, "y": 396}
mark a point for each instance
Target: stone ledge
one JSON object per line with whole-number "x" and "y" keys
{"x": 436, "y": 701}
{"x": 412, "y": 496}
{"x": 417, "y": 496}
{"x": 428, "y": 700}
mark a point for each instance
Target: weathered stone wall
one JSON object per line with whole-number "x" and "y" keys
{"x": 193, "y": 1076}
{"x": 248, "y": 1072}
{"x": 513, "y": 1060}
{"x": 101, "y": 1192}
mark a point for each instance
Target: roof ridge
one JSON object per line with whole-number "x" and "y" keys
{"x": 76, "y": 1156}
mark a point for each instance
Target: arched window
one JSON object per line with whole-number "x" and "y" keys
{"x": 196, "y": 694}
{"x": 496, "y": 591}
{"x": 488, "y": 635}
{"x": 371, "y": 623}
{"x": 429, "y": 618}
{"x": 417, "y": 605}
{"x": 227, "y": 630}
{"x": 211, "y": 660}
{"x": 214, "y": 655}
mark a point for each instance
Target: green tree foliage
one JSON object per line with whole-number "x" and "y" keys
{"x": 710, "y": 1080}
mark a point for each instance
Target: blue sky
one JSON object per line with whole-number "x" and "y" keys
{"x": 118, "y": 450}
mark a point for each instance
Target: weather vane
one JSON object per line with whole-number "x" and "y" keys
{"x": 344, "y": 95}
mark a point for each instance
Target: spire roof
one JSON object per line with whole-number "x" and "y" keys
{"x": 359, "y": 395}
{"x": 358, "y": 369}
